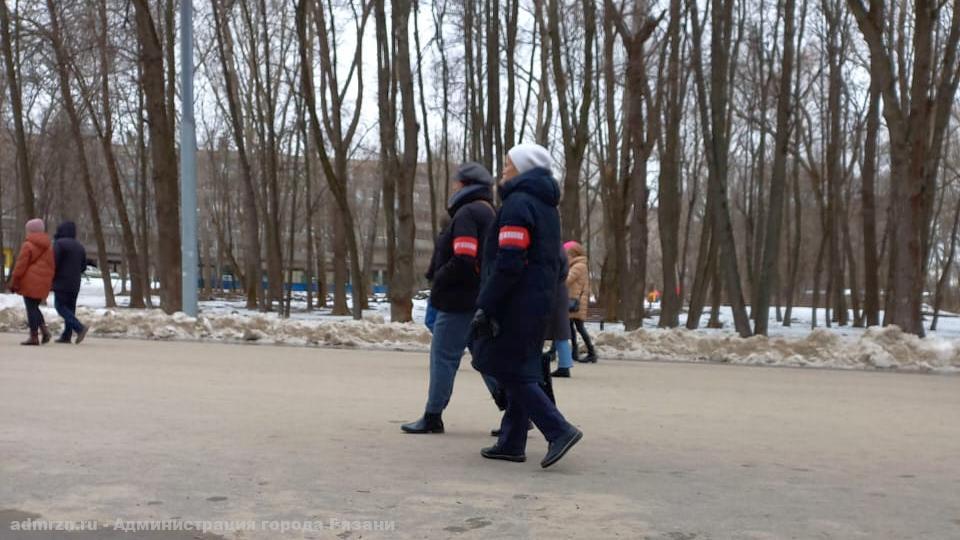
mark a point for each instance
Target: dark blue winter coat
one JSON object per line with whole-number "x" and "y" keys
{"x": 70, "y": 257}
{"x": 521, "y": 271}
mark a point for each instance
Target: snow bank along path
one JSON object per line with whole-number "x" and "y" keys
{"x": 875, "y": 348}
{"x": 372, "y": 332}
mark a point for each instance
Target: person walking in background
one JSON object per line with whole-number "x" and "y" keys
{"x": 560, "y": 330}
{"x": 521, "y": 272}
{"x": 578, "y": 285}
{"x": 32, "y": 278}
{"x": 71, "y": 261}
{"x": 455, "y": 273}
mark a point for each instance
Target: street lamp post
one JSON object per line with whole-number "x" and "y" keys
{"x": 188, "y": 163}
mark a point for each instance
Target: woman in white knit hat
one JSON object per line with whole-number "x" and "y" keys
{"x": 521, "y": 272}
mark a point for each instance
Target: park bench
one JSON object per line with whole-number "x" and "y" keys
{"x": 596, "y": 313}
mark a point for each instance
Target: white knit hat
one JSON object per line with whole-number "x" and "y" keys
{"x": 529, "y": 156}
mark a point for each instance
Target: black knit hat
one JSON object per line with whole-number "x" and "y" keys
{"x": 474, "y": 173}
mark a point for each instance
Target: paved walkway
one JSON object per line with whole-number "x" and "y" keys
{"x": 280, "y": 436}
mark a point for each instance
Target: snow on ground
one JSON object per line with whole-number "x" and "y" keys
{"x": 227, "y": 320}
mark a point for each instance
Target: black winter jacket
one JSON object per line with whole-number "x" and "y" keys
{"x": 70, "y": 257}
{"x": 455, "y": 265}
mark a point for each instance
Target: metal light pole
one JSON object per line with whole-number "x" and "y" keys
{"x": 188, "y": 163}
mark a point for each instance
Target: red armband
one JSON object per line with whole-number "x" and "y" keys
{"x": 465, "y": 245}
{"x": 515, "y": 237}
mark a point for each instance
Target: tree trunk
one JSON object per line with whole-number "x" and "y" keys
{"x": 916, "y": 121}
{"x": 945, "y": 273}
{"x": 250, "y": 219}
{"x": 614, "y": 199}
{"x": 574, "y": 123}
{"x": 768, "y": 273}
{"x": 166, "y": 186}
{"x": 669, "y": 184}
{"x": 493, "y": 137}
{"x": 634, "y": 313}
{"x": 431, "y": 181}
{"x": 340, "y": 272}
{"x": 16, "y": 104}
{"x": 714, "y": 123}
{"x": 143, "y": 220}
{"x": 509, "y": 128}
{"x": 834, "y": 147}
{"x": 818, "y": 270}
{"x": 871, "y": 262}
{"x": 76, "y": 132}
{"x": 401, "y": 307}
{"x": 134, "y": 265}
{"x": 337, "y": 184}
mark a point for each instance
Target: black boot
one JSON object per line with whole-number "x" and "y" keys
{"x": 429, "y": 423}
{"x": 563, "y": 373}
{"x": 591, "y": 352}
{"x": 591, "y": 357}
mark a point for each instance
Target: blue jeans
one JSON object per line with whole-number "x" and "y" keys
{"x": 66, "y": 305}
{"x": 528, "y": 401}
{"x": 564, "y": 353}
{"x": 451, "y": 333}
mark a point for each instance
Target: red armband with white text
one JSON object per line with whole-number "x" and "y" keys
{"x": 515, "y": 237}
{"x": 465, "y": 245}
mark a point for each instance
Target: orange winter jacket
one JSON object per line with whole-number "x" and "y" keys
{"x": 33, "y": 274}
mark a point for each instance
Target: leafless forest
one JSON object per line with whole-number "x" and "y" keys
{"x": 761, "y": 154}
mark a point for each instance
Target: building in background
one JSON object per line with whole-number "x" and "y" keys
{"x": 60, "y": 197}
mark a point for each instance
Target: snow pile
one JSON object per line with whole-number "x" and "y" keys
{"x": 879, "y": 348}
{"x": 873, "y": 348}
{"x": 371, "y": 333}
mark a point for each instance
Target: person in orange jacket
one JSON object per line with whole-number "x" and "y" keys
{"x": 33, "y": 278}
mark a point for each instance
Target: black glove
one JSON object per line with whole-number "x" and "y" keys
{"x": 483, "y": 325}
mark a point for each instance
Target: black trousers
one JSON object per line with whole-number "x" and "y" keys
{"x": 34, "y": 316}
{"x": 579, "y": 327}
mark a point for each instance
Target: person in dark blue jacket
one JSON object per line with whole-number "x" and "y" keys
{"x": 455, "y": 276}
{"x": 71, "y": 262}
{"x": 521, "y": 272}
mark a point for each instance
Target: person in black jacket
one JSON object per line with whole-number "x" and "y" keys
{"x": 455, "y": 275}
{"x": 522, "y": 266}
{"x": 71, "y": 262}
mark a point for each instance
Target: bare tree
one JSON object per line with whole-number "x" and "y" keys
{"x": 251, "y": 222}
{"x": 164, "y": 158}
{"x": 916, "y": 114}
{"x": 16, "y": 103}
{"x": 778, "y": 180}
{"x": 336, "y": 183}
{"x": 715, "y": 125}
{"x": 69, "y": 106}
{"x": 670, "y": 171}
{"x": 574, "y": 120}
